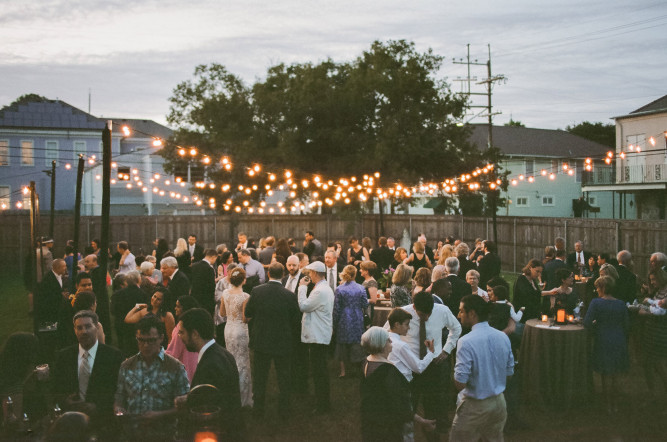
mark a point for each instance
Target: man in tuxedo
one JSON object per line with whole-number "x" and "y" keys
{"x": 626, "y": 285}
{"x": 203, "y": 280}
{"x": 460, "y": 288}
{"x": 50, "y": 294}
{"x": 332, "y": 269}
{"x": 122, "y": 302}
{"x": 85, "y": 375}
{"x": 489, "y": 264}
{"x": 382, "y": 256}
{"x": 579, "y": 258}
{"x": 175, "y": 280}
{"x": 550, "y": 268}
{"x": 275, "y": 317}
{"x": 391, "y": 244}
{"x": 216, "y": 367}
{"x": 196, "y": 250}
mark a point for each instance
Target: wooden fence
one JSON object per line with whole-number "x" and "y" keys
{"x": 519, "y": 238}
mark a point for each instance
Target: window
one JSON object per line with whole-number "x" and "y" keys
{"x": 27, "y": 153}
{"x": 4, "y": 152}
{"x": 592, "y": 200}
{"x": 548, "y": 200}
{"x": 26, "y": 200}
{"x": 79, "y": 149}
{"x": 51, "y": 152}
{"x": 5, "y": 200}
{"x": 522, "y": 201}
{"x": 530, "y": 167}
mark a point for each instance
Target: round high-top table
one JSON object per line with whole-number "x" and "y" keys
{"x": 555, "y": 365}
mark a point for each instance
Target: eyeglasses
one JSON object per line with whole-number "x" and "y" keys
{"x": 147, "y": 340}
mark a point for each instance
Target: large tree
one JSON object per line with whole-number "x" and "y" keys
{"x": 604, "y": 134}
{"x": 385, "y": 111}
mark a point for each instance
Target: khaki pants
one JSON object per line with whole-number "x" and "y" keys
{"x": 479, "y": 419}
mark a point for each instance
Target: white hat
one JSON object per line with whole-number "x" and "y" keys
{"x": 317, "y": 266}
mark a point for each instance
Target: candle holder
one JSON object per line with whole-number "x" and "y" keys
{"x": 545, "y": 318}
{"x": 560, "y": 316}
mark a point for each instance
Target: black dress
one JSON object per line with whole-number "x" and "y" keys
{"x": 357, "y": 256}
{"x": 526, "y": 295}
{"x": 385, "y": 402}
{"x": 418, "y": 263}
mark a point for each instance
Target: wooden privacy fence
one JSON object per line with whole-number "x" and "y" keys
{"x": 519, "y": 238}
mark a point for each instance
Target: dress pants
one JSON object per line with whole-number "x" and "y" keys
{"x": 479, "y": 419}
{"x": 431, "y": 387}
{"x": 299, "y": 367}
{"x": 260, "y": 367}
{"x": 318, "y": 368}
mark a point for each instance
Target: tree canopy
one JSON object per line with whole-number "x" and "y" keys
{"x": 387, "y": 111}
{"x": 604, "y": 134}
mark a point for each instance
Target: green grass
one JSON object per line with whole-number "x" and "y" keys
{"x": 14, "y": 314}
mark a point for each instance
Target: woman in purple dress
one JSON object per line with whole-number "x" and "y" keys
{"x": 607, "y": 318}
{"x": 348, "y": 318}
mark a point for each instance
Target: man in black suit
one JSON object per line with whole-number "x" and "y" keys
{"x": 50, "y": 294}
{"x": 460, "y": 288}
{"x": 99, "y": 278}
{"x": 196, "y": 250}
{"x": 626, "y": 286}
{"x": 203, "y": 281}
{"x": 122, "y": 302}
{"x": 382, "y": 256}
{"x": 550, "y": 268}
{"x": 332, "y": 269}
{"x": 216, "y": 367}
{"x": 462, "y": 251}
{"x": 175, "y": 280}
{"x": 85, "y": 375}
{"x": 291, "y": 280}
{"x": 489, "y": 264}
{"x": 299, "y": 349}
{"x": 579, "y": 258}
{"x": 275, "y": 316}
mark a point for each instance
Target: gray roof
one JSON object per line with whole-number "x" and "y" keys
{"x": 56, "y": 114}
{"x": 657, "y": 105}
{"x": 48, "y": 114}
{"x": 524, "y": 141}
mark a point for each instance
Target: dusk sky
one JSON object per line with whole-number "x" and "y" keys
{"x": 566, "y": 61}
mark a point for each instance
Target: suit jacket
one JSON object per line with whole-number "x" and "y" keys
{"x": 275, "y": 318}
{"x": 626, "y": 286}
{"x": 460, "y": 288}
{"x": 266, "y": 255}
{"x": 464, "y": 266}
{"x": 549, "y": 275}
{"x": 296, "y": 287}
{"x": 99, "y": 278}
{"x": 382, "y": 257}
{"x": 489, "y": 266}
{"x": 198, "y": 255}
{"x": 572, "y": 260}
{"x": 121, "y": 303}
{"x": 49, "y": 298}
{"x": 428, "y": 251}
{"x": 203, "y": 285}
{"x": 336, "y": 275}
{"x": 217, "y": 367}
{"x": 103, "y": 378}
{"x": 179, "y": 285}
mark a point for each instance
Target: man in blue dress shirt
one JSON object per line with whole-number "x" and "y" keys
{"x": 484, "y": 361}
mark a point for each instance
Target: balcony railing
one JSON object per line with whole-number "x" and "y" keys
{"x": 639, "y": 174}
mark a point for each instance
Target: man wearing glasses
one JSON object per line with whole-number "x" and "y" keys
{"x": 149, "y": 382}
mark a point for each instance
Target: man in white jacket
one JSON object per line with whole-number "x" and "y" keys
{"x": 317, "y": 328}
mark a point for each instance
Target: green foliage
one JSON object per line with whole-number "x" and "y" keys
{"x": 384, "y": 111}
{"x": 511, "y": 122}
{"x": 604, "y": 134}
{"x": 29, "y": 98}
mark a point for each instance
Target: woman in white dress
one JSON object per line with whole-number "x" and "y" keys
{"x": 234, "y": 300}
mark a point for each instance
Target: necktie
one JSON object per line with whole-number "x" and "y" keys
{"x": 581, "y": 259}
{"x": 84, "y": 375}
{"x": 422, "y": 338}
{"x": 290, "y": 284}
{"x": 332, "y": 280}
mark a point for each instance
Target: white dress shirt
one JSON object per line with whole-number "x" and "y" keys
{"x": 59, "y": 278}
{"x": 128, "y": 265}
{"x": 91, "y": 355}
{"x": 291, "y": 282}
{"x": 204, "y": 348}
{"x": 404, "y": 358}
{"x": 440, "y": 318}
{"x": 516, "y": 316}
{"x": 317, "y": 323}
{"x": 332, "y": 271}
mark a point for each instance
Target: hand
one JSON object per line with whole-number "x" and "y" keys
{"x": 304, "y": 281}
{"x": 140, "y": 306}
{"x": 151, "y": 415}
{"x": 181, "y": 401}
{"x": 441, "y": 358}
{"x": 522, "y": 309}
{"x": 429, "y": 345}
{"x": 427, "y": 424}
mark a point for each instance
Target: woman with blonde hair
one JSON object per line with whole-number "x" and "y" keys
{"x": 418, "y": 258}
{"x": 182, "y": 255}
{"x": 401, "y": 288}
{"x": 445, "y": 252}
{"x": 422, "y": 280}
{"x": 350, "y": 301}
{"x": 399, "y": 257}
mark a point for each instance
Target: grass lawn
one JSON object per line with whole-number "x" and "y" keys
{"x": 587, "y": 422}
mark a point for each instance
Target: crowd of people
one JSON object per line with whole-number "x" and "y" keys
{"x": 191, "y": 317}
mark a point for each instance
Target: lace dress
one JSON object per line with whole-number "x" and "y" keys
{"x": 236, "y": 339}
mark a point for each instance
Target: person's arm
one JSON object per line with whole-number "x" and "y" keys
{"x": 552, "y": 292}
{"x": 463, "y": 367}
{"x": 409, "y": 358}
{"x": 311, "y": 303}
{"x": 428, "y": 261}
{"x": 366, "y": 255}
{"x": 511, "y": 327}
{"x": 100, "y": 333}
{"x": 244, "y": 318}
{"x": 137, "y": 312}
{"x": 454, "y": 327}
{"x": 223, "y": 311}
{"x": 261, "y": 273}
{"x": 125, "y": 254}
{"x": 169, "y": 325}
{"x": 373, "y": 293}
{"x": 176, "y": 348}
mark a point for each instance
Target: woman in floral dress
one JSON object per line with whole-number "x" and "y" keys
{"x": 348, "y": 318}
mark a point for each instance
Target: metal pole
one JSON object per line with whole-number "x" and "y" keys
{"x": 102, "y": 295}
{"x": 33, "y": 249}
{"x": 53, "y": 198}
{"x": 77, "y": 214}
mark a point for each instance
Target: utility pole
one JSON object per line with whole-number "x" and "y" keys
{"x": 488, "y": 82}
{"x": 53, "y": 198}
{"x": 77, "y": 212}
{"x": 33, "y": 250}
{"x": 102, "y": 296}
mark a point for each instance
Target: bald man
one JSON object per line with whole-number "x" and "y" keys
{"x": 294, "y": 275}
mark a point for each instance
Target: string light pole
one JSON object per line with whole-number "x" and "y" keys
{"x": 77, "y": 210}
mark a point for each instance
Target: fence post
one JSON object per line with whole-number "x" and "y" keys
{"x": 566, "y": 241}
{"x": 514, "y": 245}
{"x": 215, "y": 230}
{"x": 618, "y": 236}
